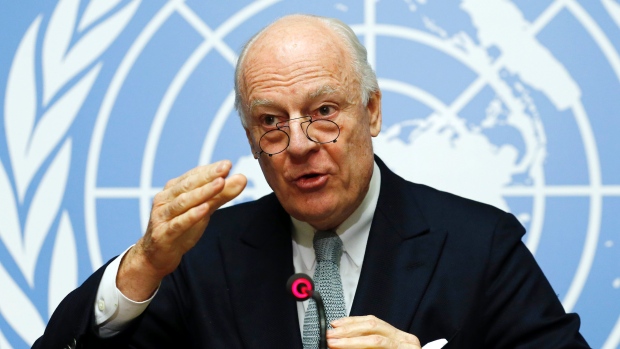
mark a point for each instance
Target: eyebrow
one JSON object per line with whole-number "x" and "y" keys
{"x": 261, "y": 103}
{"x": 321, "y": 91}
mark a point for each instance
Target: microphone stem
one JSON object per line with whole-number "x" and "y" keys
{"x": 320, "y": 310}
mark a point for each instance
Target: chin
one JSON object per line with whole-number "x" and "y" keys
{"x": 311, "y": 207}
{"x": 302, "y": 213}
{"x": 320, "y": 217}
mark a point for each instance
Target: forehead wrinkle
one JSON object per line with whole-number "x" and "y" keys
{"x": 277, "y": 81}
{"x": 275, "y": 76}
{"x": 268, "y": 78}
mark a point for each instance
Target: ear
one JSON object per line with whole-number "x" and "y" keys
{"x": 374, "y": 113}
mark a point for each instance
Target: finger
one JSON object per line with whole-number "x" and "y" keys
{"x": 215, "y": 194}
{"x": 358, "y": 330}
{"x": 201, "y": 176}
{"x": 351, "y": 320}
{"x": 373, "y": 341}
{"x": 354, "y": 326}
{"x": 163, "y": 250}
{"x": 233, "y": 186}
{"x": 188, "y": 209}
{"x": 196, "y": 178}
{"x": 174, "y": 181}
{"x": 406, "y": 337}
{"x": 366, "y": 326}
{"x": 180, "y": 224}
{"x": 188, "y": 200}
{"x": 194, "y": 171}
{"x": 368, "y": 320}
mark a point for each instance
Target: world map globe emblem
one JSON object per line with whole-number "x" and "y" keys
{"x": 460, "y": 96}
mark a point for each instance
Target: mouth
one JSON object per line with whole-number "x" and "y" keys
{"x": 311, "y": 181}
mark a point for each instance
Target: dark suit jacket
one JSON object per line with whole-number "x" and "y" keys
{"x": 436, "y": 265}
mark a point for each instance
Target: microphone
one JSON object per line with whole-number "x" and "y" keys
{"x": 301, "y": 287}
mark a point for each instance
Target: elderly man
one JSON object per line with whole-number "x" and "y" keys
{"x": 411, "y": 265}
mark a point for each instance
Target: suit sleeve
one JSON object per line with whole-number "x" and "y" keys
{"x": 73, "y": 322}
{"x": 523, "y": 311}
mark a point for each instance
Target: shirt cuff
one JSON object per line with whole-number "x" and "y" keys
{"x": 113, "y": 311}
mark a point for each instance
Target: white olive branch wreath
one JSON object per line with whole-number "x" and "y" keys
{"x": 36, "y": 129}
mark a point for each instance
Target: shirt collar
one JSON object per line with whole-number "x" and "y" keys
{"x": 353, "y": 231}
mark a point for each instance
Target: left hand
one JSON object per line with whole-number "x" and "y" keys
{"x": 368, "y": 332}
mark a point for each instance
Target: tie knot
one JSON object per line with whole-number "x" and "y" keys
{"x": 327, "y": 246}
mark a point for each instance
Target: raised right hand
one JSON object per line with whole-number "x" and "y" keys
{"x": 179, "y": 216}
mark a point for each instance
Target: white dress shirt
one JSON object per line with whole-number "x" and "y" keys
{"x": 114, "y": 311}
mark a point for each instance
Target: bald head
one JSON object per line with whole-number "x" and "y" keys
{"x": 290, "y": 35}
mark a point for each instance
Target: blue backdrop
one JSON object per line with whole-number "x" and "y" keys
{"x": 514, "y": 103}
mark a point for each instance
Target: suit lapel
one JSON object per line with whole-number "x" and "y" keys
{"x": 400, "y": 257}
{"x": 265, "y": 313}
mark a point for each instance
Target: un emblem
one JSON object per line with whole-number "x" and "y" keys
{"x": 483, "y": 99}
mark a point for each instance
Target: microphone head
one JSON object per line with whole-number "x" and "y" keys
{"x": 300, "y": 286}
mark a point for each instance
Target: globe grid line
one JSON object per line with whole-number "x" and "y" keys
{"x": 563, "y": 190}
{"x": 157, "y": 126}
{"x": 596, "y": 210}
{"x": 614, "y": 337}
{"x": 595, "y": 216}
{"x": 546, "y": 16}
{"x": 584, "y": 18}
{"x": 94, "y": 151}
{"x": 210, "y": 141}
{"x": 599, "y": 190}
{"x": 597, "y": 34}
{"x": 208, "y": 34}
{"x": 370, "y": 38}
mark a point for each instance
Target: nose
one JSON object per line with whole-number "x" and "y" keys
{"x": 299, "y": 144}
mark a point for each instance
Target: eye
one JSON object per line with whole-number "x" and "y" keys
{"x": 269, "y": 120}
{"x": 326, "y": 110}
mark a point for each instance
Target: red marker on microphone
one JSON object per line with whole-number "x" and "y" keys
{"x": 301, "y": 286}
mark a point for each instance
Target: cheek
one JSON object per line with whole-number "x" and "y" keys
{"x": 268, "y": 170}
{"x": 272, "y": 169}
{"x": 356, "y": 140}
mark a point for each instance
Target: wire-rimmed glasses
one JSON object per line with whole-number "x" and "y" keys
{"x": 319, "y": 131}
